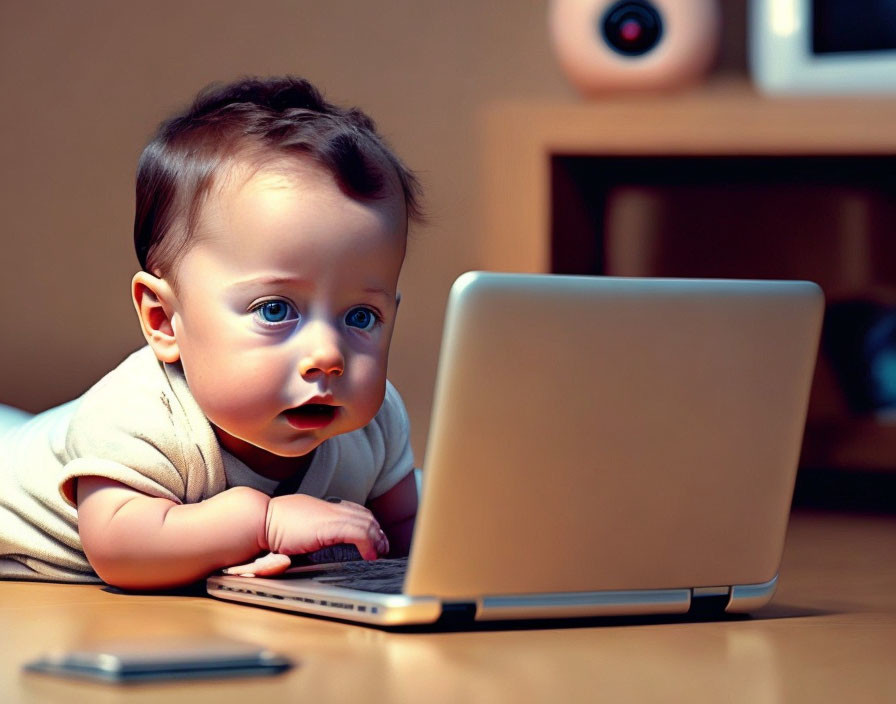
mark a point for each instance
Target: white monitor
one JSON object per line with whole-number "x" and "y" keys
{"x": 823, "y": 46}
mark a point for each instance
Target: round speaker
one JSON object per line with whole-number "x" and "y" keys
{"x": 631, "y": 45}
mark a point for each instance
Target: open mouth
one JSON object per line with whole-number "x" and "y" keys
{"x": 311, "y": 415}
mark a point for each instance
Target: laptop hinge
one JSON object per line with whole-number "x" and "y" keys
{"x": 460, "y": 613}
{"x": 709, "y": 601}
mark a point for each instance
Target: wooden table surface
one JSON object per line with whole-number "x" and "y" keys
{"x": 829, "y": 635}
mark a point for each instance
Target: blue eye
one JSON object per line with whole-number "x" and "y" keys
{"x": 275, "y": 311}
{"x": 362, "y": 318}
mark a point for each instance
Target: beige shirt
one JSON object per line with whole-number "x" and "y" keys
{"x": 141, "y": 426}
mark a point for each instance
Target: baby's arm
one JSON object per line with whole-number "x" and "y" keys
{"x": 141, "y": 542}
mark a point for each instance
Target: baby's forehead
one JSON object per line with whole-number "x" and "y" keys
{"x": 251, "y": 173}
{"x": 251, "y": 197}
{"x": 267, "y": 172}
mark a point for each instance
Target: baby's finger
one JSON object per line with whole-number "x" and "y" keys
{"x": 373, "y": 544}
{"x": 383, "y": 546}
{"x": 272, "y": 563}
{"x": 364, "y": 535}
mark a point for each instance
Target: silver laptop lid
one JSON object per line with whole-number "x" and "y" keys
{"x": 596, "y": 433}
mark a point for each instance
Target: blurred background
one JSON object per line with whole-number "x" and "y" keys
{"x": 84, "y": 85}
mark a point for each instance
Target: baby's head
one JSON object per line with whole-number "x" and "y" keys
{"x": 271, "y": 228}
{"x": 253, "y": 123}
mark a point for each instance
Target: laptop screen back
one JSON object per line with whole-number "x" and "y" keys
{"x": 595, "y": 433}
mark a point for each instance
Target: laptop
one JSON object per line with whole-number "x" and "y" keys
{"x": 598, "y": 446}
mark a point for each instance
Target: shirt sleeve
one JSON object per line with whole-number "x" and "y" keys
{"x": 130, "y": 435}
{"x": 398, "y": 458}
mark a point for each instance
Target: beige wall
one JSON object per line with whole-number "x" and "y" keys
{"x": 83, "y": 85}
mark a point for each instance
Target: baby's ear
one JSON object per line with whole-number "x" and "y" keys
{"x": 155, "y": 303}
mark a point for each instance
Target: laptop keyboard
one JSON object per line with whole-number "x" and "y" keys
{"x": 380, "y": 576}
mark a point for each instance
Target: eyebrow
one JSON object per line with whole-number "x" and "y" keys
{"x": 270, "y": 280}
{"x": 275, "y": 280}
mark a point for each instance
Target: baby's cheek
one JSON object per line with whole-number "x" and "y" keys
{"x": 237, "y": 393}
{"x": 369, "y": 389}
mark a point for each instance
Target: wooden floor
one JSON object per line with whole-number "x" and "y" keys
{"x": 829, "y": 635}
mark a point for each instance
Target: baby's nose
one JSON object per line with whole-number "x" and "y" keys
{"x": 323, "y": 353}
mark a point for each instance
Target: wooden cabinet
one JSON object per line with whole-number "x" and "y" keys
{"x": 718, "y": 182}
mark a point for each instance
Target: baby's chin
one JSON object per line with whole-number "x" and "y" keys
{"x": 299, "y": 447}
{"x": 250, "y": 448}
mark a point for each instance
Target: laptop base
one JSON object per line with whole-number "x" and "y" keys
{"x": 401, "y": 609}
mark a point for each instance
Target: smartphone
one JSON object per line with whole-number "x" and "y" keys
{"x": 155, "y": 659}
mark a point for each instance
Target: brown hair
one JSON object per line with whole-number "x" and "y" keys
{"x": 282, "y": 115}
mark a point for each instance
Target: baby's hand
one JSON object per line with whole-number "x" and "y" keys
{"x": 298, "y": 524}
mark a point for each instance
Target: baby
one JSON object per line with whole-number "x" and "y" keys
{"x": 258, "y": 422}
